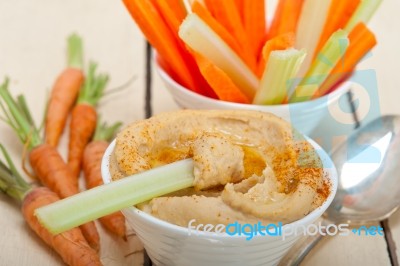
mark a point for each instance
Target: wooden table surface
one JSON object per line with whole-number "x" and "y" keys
{"x": 32, "y": 53}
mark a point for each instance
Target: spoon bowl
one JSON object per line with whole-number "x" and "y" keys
{"x": 368, "y": 188}
{"x": 368, "y": 173}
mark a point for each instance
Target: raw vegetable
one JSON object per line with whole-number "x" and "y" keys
{"x": 329, "y": 56}
{"x": 362, "y": 40}
{"x": 219, "y": 81}
{"x": 312, "y": 19}
{"x": 161, "y": 38}
{"x": 279, "y": 75}
{"x": 254, "y": 22}
{"x": 225, "y": 35}
{"x": 84, "y": 118}
{"x": 281, "y": 42}
{"x": 202, "y": 39}
{"x": 45, "y": 160}
{"x": 99, "y": 201}
{"x": 70, "y": 245}
{"x": 92, "y": 157}
{"x": 339, "y": 14}
{"x": 226, "y": 12}
{"x": 64, "y": 92}
{"x": 363, "y": 13}
{"x": 286, "y": 17}
{"x": 162, "y": 18}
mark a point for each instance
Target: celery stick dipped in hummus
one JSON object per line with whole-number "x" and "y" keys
{"x": 249, "y": 166}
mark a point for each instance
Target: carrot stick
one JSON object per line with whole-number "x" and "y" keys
{"x": 286, "y": 17}
{"x": 280, "y": 42}
{"x": 92, "y": 157}
{"x": 227, "y": 14}
{"x": 45, "y": 160}
{"x": 240, "y": 6}
{"x": 70, "y": 245}
{"x": 169, "y": 11}
{"x": 84, "y": 119}
{"x": 172, "y": 19}
{"x": 254, "y": 24}
{"x": 220, "y": 81}
{"x": 219, "y": 29}
{"x": 159, "y": 35}
{"x": 362, "y": 40}
{"x": 340, "y": 11}
{"x": 64, "y": 92}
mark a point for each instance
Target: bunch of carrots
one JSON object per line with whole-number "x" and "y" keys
{"x": 225, "y": 50}
{"x": 76, "y": 94}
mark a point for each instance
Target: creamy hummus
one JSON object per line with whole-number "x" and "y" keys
{"x": 249, "y": 166}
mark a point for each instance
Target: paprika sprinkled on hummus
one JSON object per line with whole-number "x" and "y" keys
{"x": 248, "y": 166}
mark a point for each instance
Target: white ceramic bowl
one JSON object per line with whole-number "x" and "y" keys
{"x": 169, "y": 244}
{"x": 304, "y": 116}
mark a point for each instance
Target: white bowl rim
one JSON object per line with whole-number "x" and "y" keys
{"x": 308, "y": 219}
{"x": 340, "y": 90}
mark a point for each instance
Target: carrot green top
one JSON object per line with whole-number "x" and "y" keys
{"x": 75, "y": 52}
{"x": 105, "y": 132}
{"x": 11, "y": 182}
{"x": 18, "y": 117}
{"x": 93, "y": 88}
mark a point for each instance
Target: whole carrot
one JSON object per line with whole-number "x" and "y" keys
{"x": 45, "y": 160}
{"x": 64, "y": 92}
{"x": 94, "y": 151}
{"x": 84, "y": 119}
{"x": 70, "y": 245}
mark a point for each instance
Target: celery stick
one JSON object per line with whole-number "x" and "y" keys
{"x": 363, "y": 13}
{"x": 202, "y": 39}
{"x": 277, "y": 79}
{"x": 329, "y": 56}
{"x": 311, "y": 23}
{"x": 100, "y": 201}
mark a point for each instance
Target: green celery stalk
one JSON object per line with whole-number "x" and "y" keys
{"x": 329, "y": 56}
{"x": 202, "y": 39}
{"x": 363, "y": 13}
{"x": 100, "y": 201}
{"x": 310, "y": 26}
{"x": 278, "y": 77}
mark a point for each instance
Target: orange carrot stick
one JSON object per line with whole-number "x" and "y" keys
{"x": 362, "y": 40}
{"x": 228, "y": 15}
{"x": 280, "y": 42}
{"x": 339, "y": 13}
{"x": 286, "y": 17}
{"x": 240, "y": 6}
{"x": 64, "y": 92}
{"x": 92, "y": 157}
{"x": 70, "y": 245}
{"x": 172, "y": 19}
{"x": 254, "y": 24}
{"x": 225, "y": 35}
{"x": 159, "y": 35}
{"x": 220, "y": 81}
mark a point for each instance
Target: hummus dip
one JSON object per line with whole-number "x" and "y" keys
{"x": 249, "y": 166}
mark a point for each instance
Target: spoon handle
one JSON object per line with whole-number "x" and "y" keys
{"x": 301, "y": 248}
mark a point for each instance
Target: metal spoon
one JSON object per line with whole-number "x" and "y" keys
{"x": 368, "y": 187}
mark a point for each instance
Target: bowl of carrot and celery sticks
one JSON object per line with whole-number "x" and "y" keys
{"x": 226, "y": 55}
